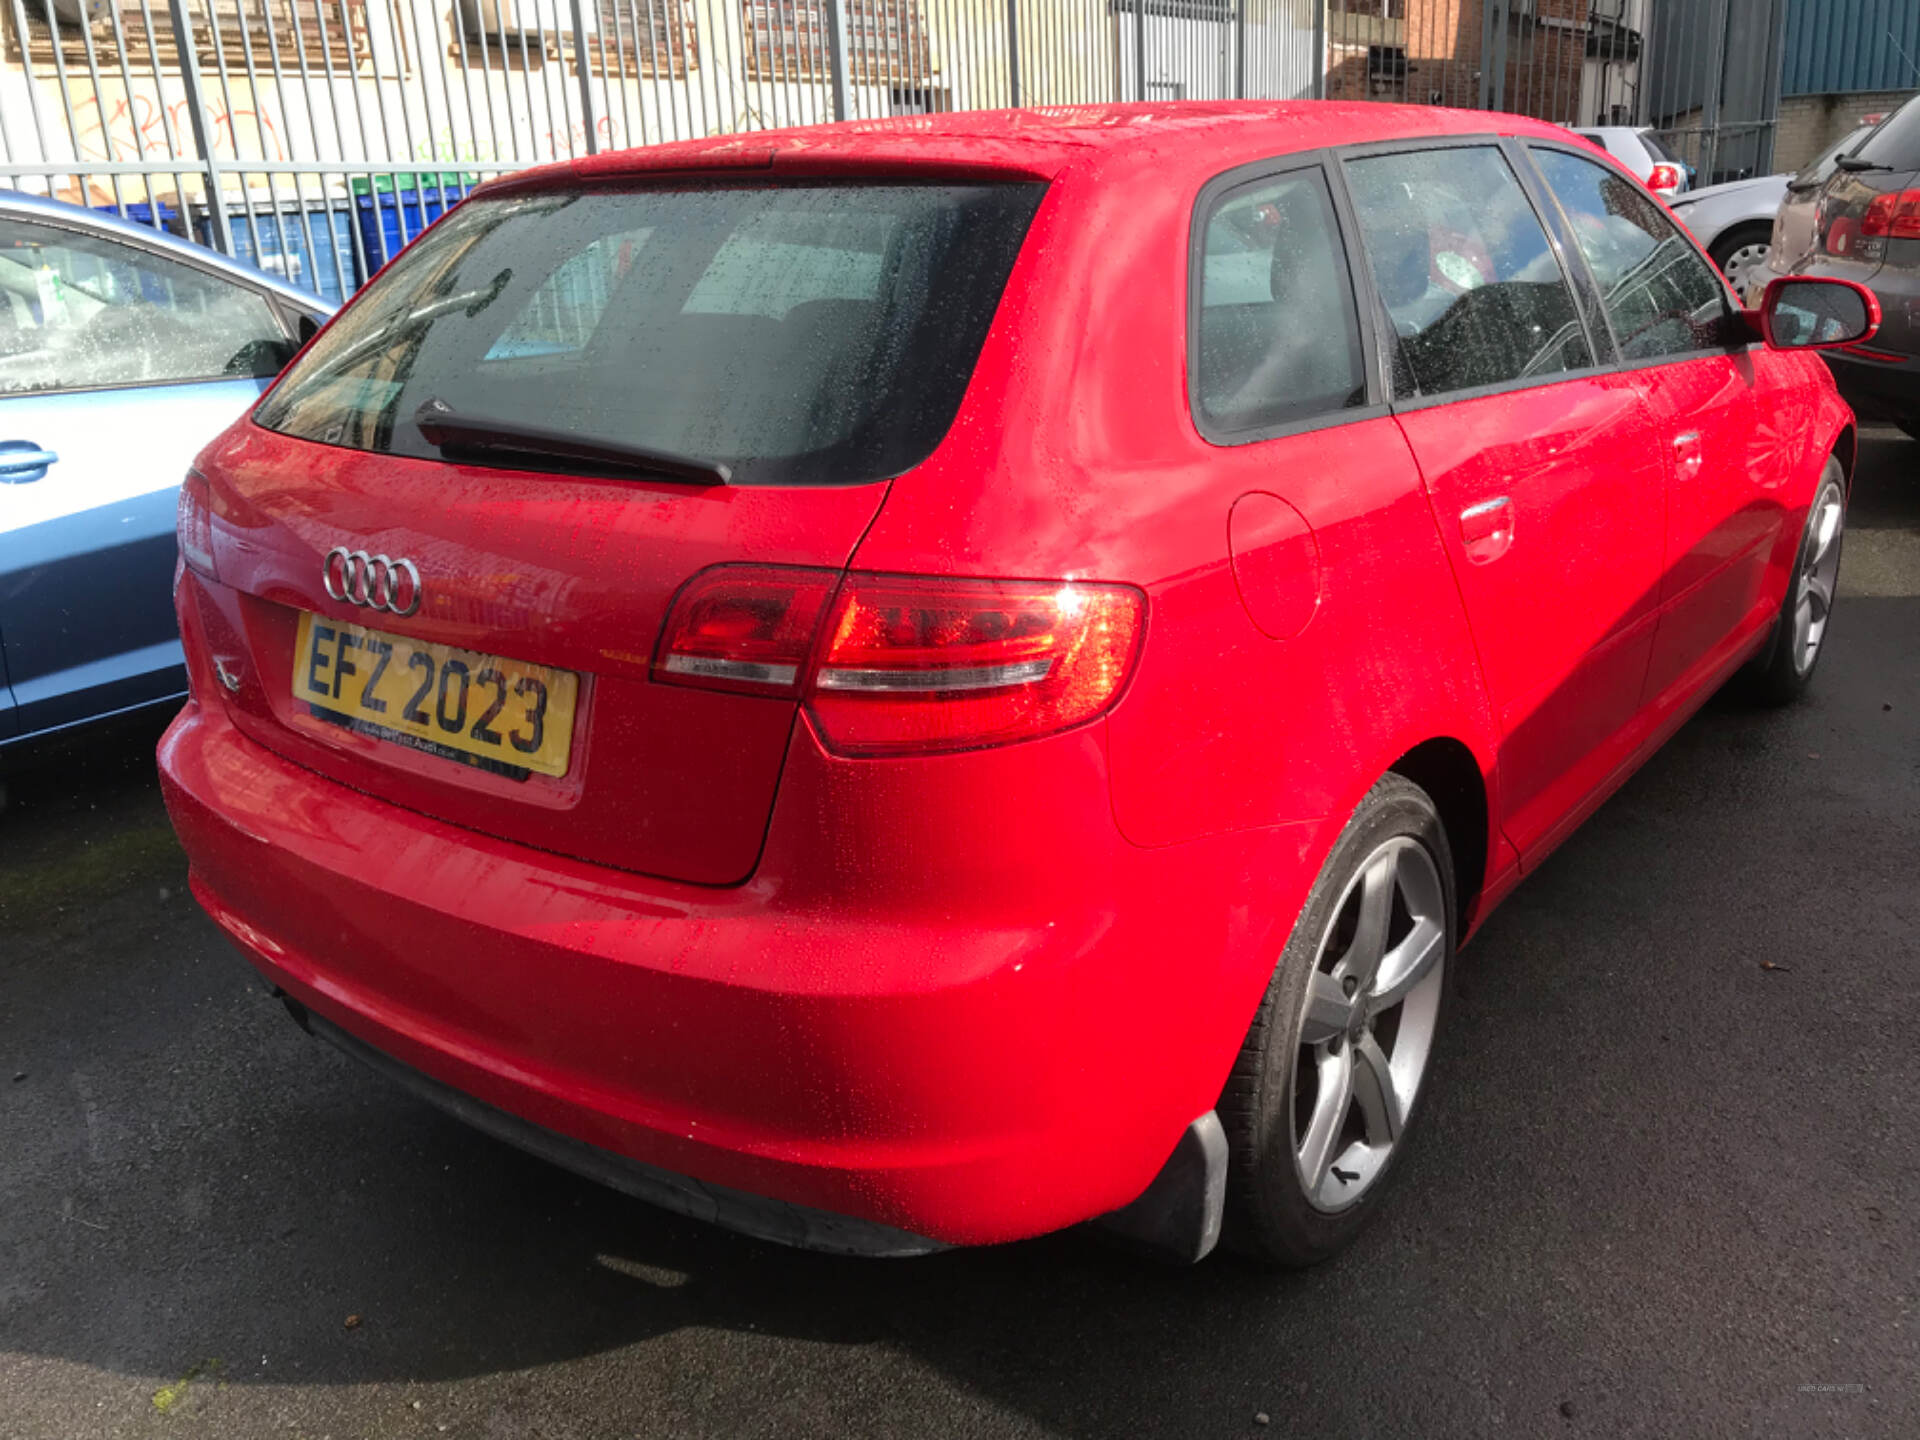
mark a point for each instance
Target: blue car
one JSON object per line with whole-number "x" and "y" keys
{"x": 122, "y": 352}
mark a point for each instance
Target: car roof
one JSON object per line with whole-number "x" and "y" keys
{"x": 1200, "y": 137}
{"x": 20, "y": 203}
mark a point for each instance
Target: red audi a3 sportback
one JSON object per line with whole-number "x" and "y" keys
{"x": 920, "y": 683}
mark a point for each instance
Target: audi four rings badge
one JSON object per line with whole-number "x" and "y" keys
{"x": 375, "y": 581}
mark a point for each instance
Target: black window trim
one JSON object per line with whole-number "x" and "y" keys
{"x": 1400, "y": 405}
{"x": 278, "y": 306}
{"x": 1375, "y": 337}
{"x": 1729, "y": 302}
{"x": 1358, "y": 288}
{"x": 1602, "y": 340}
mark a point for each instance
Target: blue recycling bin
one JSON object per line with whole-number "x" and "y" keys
{"x": 142, "y": 213}
{"x": 274, "y": 240}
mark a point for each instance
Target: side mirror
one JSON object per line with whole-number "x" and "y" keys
{"x": 1817, "y": 313}
{"x": 260, "y": 359}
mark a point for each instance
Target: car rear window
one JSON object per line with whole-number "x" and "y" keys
{"x": 1896, "y": 143}
{"x": 798, "y": 334}
{"x": 1659, "y": 149}
{"x": 1820, "y": 167}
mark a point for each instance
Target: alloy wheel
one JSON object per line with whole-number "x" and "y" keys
{"x": 1742, "y": 260}
{"x": 1818, "y": 574}
{"x": 1367, "y": 1024}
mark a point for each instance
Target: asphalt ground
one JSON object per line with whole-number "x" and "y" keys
{"x": 1666, "y": 1186}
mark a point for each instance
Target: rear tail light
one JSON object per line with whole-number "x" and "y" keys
{"x": 908, "y": 664}
{"x": 744, "y": 627}
{"x": 1895, "y": 215}
{"x": 1664, "y": 179}
{"x": 926, "y": 664}
{"x": 194, "y": 525}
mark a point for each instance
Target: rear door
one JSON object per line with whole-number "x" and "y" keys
{"x": 1673, "y": 325}
{"x": 116, "y": 365}
{"x": 1542, "y": 470}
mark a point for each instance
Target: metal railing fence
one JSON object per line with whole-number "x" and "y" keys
{"x": 314, "y": 138}
{"x": 1704, "y": 74}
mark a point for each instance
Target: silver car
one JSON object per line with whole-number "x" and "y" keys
{"x": 1644, "y": 153}
{"x": 1734, "y": 221}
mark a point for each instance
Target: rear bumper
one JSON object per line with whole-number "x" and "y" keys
{"x": 997, "y": 1025}
{"x": 749, "y": 1214}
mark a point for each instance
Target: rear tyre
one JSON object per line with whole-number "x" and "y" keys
{"x": 1329, "y": 1079}
{"x": 1739, "y": 250}
{"x": 1784, "y": 667}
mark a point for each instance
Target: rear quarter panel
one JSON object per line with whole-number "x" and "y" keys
{"x": 1075, "y": 455}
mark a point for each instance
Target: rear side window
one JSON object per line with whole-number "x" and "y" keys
{"x": 1470, "y": 284}
{"x": 799, "y": 334}
{"x": 1278, "y": 337}
{"x": 1661, "y": 295}
{"x": 81, "y": 312}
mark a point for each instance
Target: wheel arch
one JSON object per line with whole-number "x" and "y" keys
{"x": 1845, "y": 449}
{"x": 1449, "y": 772}
{"x": 1723, "y": 240}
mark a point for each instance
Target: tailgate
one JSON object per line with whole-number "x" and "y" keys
{"x": 567, "y": 574}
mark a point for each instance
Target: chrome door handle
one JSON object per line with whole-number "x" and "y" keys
{"x": 1486, "y": 529}
{"x": 22, "y": 460}
{"x": 1687, "y": 454}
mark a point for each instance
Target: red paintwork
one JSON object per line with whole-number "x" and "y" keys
{"x": 977, "y": 995}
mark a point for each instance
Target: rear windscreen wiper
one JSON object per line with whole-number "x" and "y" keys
{"x": 1853, "y": 164}
{"x": 459, "y": 435}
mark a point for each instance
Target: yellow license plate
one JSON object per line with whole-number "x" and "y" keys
{"x": 501, "y": 715}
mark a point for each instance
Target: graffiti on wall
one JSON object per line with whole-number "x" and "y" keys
{"x": 135, "y": 127}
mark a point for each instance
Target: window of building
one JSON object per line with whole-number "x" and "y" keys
{"x": 788, "y": 40}
{"x": 639, "y": 37}
{"x": 320, "y": 32}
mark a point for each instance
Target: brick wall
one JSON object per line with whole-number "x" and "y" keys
{"x": 1810, "y": 123}
{"x": 1441, "y": 42}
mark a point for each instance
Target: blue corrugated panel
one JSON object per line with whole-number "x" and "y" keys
{"x": 1837, "y": 47}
